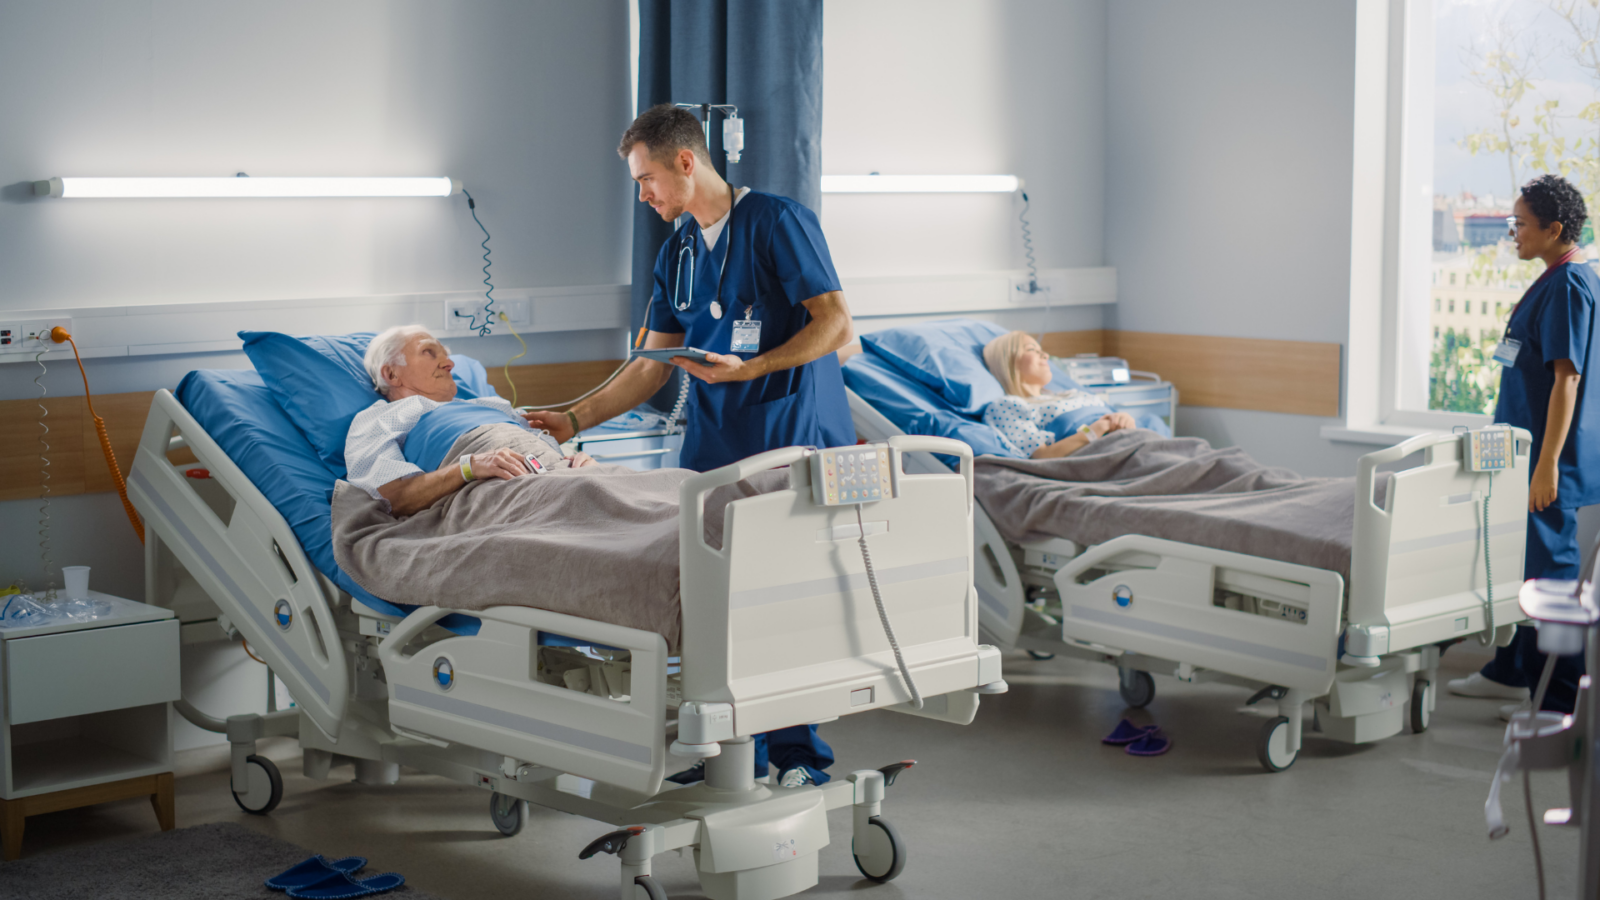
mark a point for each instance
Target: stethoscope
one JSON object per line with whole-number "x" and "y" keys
{"x": 686, "y": 246}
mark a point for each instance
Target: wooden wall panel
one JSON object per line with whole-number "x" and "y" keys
{"x": 1072, "y": 343}
{"x": 552, "y": 382}
{"x": 78, "y": 467}
{"x": 1298, "y": 377}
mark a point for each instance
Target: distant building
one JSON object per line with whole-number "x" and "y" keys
{"x": 1481, "y": 230}
{"x": 1446, "y": 236}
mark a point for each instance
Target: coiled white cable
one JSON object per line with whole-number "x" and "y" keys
{"x": 883, "y": 614}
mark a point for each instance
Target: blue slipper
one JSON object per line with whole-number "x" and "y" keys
{"x": 312, "y": 871}
{"x": 1126, "y": 733}
{"x": 1152, "y": 744}
{"x": 340, "y": 885}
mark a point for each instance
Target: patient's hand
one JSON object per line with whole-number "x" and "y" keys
{"x": 579, "y": 460}
{"x": 1110, "y": 422}
{"x": 504, "y": 464}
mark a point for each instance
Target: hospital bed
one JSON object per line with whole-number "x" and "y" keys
{"x": 569, "y": 713}
{"x": 1364, "y": 654}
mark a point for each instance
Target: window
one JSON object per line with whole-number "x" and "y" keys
{"x": 1436, "y": 304}
{"x": 1503, "y": 91}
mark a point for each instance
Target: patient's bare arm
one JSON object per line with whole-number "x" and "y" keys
{"x": 418, "y": 492}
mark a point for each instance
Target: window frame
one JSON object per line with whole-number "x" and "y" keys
{"x": 1391, "y": 189}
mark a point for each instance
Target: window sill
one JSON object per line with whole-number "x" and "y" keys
{"x": 1379, "y": 435}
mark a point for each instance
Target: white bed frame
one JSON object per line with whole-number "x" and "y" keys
{"x": 1369, "y": 665}
{"x": 779, "y": 629}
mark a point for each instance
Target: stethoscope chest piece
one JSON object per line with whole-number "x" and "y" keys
{"x": 716, "y": 310}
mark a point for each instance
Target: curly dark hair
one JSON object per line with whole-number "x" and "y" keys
{"x": 1552, "y": 198}
{"x": 665, "y": 129}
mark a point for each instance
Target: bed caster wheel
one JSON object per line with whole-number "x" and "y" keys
{"x": 880, "y": 854}
{"x": 1421, "y": 699}
{"x": 646, "y": 888}
{"x": 1137, "y": 688}
{"x": 263, "y": 787}
{"x": 1272, "y": 747}
{"x": 1041, "y": 656}
{"x": 507, "y": 813}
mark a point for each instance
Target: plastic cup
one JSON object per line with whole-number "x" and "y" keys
{"x": 76, "y": 579}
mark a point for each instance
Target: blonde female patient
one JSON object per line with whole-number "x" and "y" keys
{"x": 1041, "y": 424}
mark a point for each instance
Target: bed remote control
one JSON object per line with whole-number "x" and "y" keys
{"x": 1491, "y": 449}
{"x": 861, "y": 474}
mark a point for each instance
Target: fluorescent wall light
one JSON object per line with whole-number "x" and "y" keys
{"x": 920, "y": 184}
{"x": 83, "y": 188}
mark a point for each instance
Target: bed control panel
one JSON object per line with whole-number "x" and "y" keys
{"x": 1491, "y": 449}
{"x": 864, "y": 473}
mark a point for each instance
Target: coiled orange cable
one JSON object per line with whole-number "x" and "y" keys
{"x": 59, "y": 334}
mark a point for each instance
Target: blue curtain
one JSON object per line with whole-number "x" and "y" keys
{"x": 764, "y": 56}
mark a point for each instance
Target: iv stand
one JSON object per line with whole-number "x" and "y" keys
{"x": 732, "y": 126}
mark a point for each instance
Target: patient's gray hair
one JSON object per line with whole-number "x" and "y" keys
{"x": 388, "y": 349}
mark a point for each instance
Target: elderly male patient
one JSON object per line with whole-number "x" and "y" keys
{"x": 411, "y": 369}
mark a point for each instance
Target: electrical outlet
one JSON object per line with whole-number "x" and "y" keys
{"x": 463, "y": 315}
{"x": 30, "y": 335}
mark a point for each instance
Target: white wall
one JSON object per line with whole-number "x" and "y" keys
{"x": 1228, "y": 173}
{"x": 523, "y": 102}
{"x": 953, "y": 87}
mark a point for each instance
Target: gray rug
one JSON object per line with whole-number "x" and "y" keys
{"x": 221, "y": 861}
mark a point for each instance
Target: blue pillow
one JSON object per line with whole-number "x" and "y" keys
{"x": 238, "y": 410}
{"x": 916, "y": 409}
{"x": 321, "y": 383}
{"x": 945, "y": 356}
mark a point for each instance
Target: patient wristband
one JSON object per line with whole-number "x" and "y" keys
{"x": 466, "y": 467}
{"x": 573, "y": 418}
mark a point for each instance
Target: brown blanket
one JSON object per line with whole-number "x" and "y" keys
{"x": 1180, "y": 489}
{"x": 600, "y": 542}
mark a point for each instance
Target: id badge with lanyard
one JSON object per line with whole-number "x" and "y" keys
{"x": 747, "y": 333}
{"x": 1505, "y": 352}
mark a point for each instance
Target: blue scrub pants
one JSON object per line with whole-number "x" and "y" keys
{"x": 794, "y": 747}
{"x": 1553, "y": 552}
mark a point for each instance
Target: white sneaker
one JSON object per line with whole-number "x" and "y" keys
{"x": 796, "y": 777}
{"x": 1511, "y": 709}
{"x": 1475, "y": 685}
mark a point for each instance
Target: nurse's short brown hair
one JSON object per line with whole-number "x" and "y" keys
{"x": 665, "y": 129}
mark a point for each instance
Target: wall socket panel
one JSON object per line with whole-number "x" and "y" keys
{"x": 459, "y": 313}
{"x": 22, "y": 338}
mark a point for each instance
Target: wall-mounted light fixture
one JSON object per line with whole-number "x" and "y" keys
{"x": 920, "y": 184}
{"x": 244, "y": 186}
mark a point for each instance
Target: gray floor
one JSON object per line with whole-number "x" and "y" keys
{"x": 1023, "y": 803}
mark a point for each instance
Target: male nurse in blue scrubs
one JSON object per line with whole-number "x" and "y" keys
{"x": 1545, "y": 355}
{"x": 747, "y": 277}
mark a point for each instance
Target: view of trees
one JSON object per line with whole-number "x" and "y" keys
{"x": 1535, "y": 134}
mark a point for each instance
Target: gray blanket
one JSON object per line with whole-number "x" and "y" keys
{"x": 1180, "y": 489}
{"x": 600, "y": 542}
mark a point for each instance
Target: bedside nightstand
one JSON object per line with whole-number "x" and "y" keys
{"x": 86, "y": 715}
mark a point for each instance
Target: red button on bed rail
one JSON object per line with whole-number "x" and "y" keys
{"x": 197, "y": 473}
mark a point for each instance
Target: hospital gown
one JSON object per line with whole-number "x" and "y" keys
{"x": 375, "y": 450}
{"x": 1021, "y": 420}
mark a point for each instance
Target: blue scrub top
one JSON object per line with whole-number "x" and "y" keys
{"x": 776, "y": 259}
{"x": 1555, "y": 320}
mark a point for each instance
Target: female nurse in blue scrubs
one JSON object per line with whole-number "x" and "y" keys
{"x": 1545, "y": 354}
{"x": 747, "y": 277}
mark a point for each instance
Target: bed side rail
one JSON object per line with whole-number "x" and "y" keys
{"x": 481, "y": 691}
{"x": 251, "y": 566}
{"x": 1417, "y": 568}
{"x": 781, "y": 623}
{"x": 1169, "y": 609}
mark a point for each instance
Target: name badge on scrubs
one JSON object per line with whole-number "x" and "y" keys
{"x": 747, "y": 333}
{"x": 1505, "y": 353}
